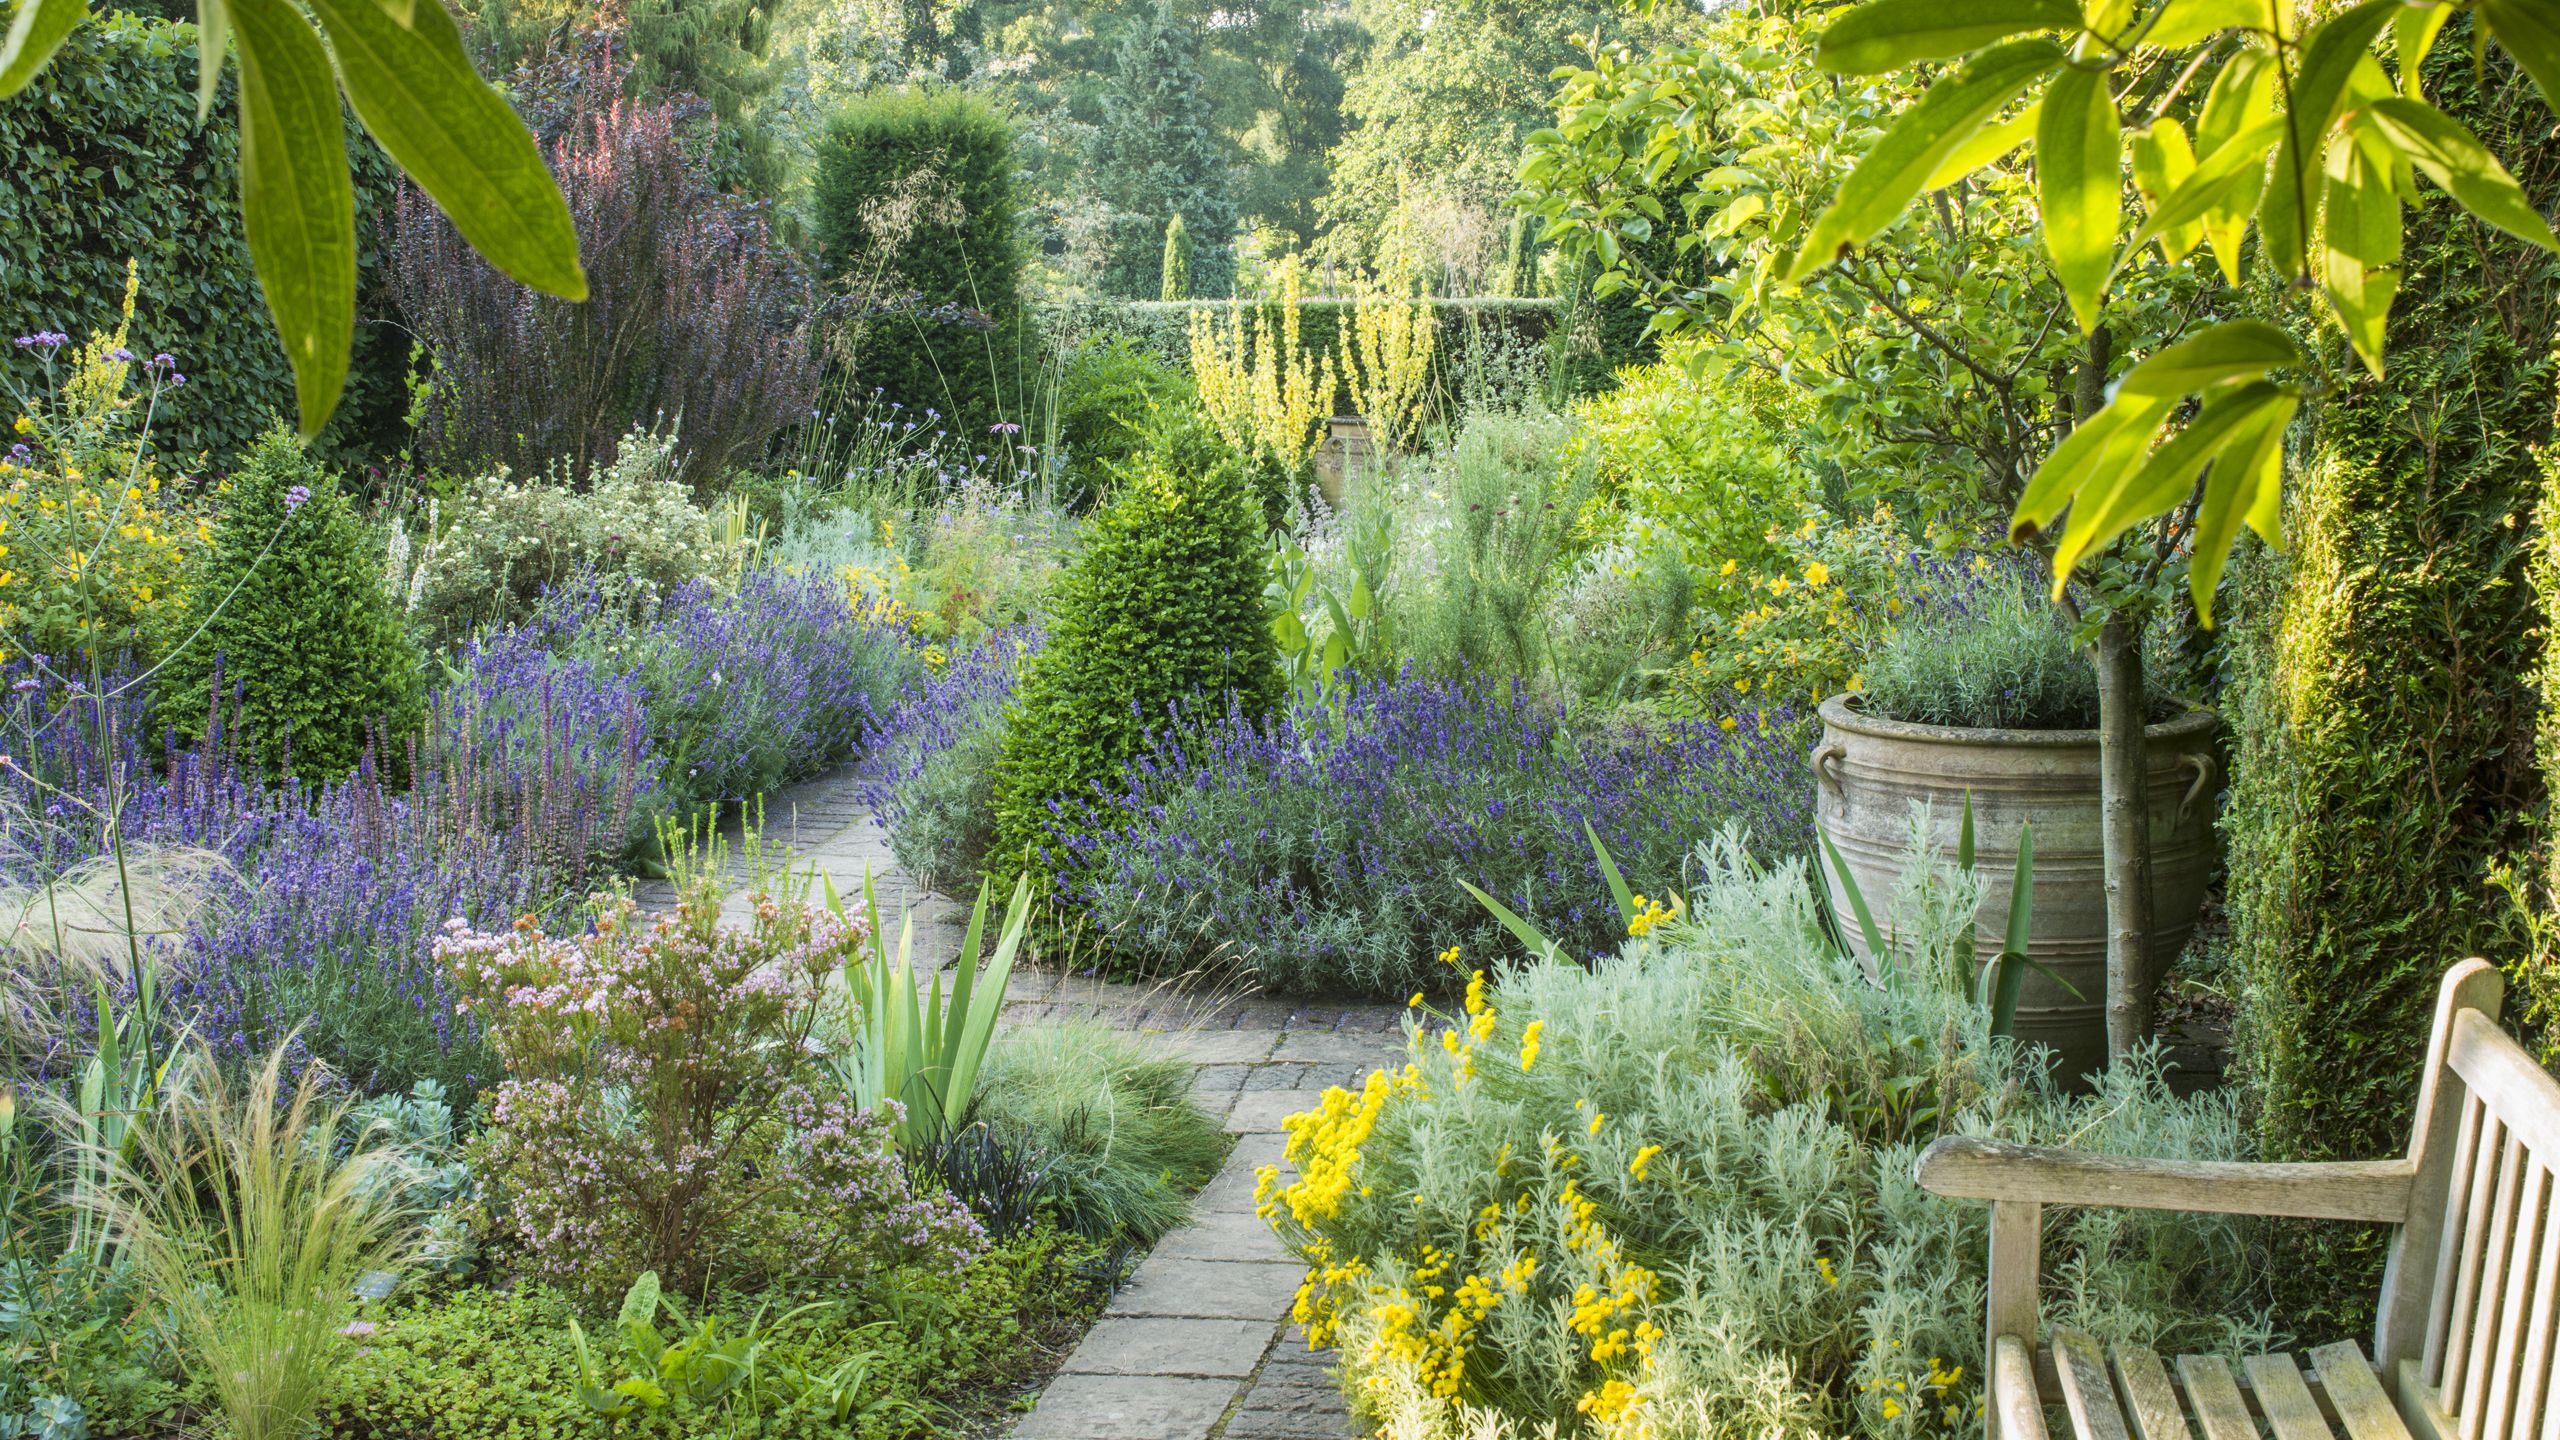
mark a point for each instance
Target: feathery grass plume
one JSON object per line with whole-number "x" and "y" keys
{"x": 251, "y": 1236}
{"x": 62, "y": 936}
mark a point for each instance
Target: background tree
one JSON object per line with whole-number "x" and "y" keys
{"x": 1158, "y": 156}
{"x": 1439, "y": 101}
{"x": 719, "y": 50}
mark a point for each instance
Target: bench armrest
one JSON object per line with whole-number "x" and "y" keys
{"x": 1967, "y": 1169}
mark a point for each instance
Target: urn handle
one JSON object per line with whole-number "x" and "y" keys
{"x": 2205, "y": 769}
{"x": 1826, "y": 763}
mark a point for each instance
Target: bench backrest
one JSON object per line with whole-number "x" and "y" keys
{"x": 2469, "y": 1305}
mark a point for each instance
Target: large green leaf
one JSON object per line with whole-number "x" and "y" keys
{"x": 2318, "y": 88}
{"x": 2245, "y": 486}
{"x": 1909, "y": 154}
{"x": 2162, "y": 161}
{"x": 37, "y": 28}
{"x": 2241, "y": 102}
{"x": 2080, "y": 186}
{"x": 296, "y": 202}
{"x": 1987, "y": 145}
{"x": 2360, "y": 247}
{"x": 2454, "y": 158}
{"x": 2206, "y": 196}
{"x": 1884, "y": 35}
{"x": 213, "y": 42}
{"x": 2184, "y": 22}
{"x": 2413, "y": 34}
{"x": 415, "y": 89}
{"x": 2124, "y": 426}
{"x": 2218, "y": 354}
{"x": 2132, "y": 494}
{"x": 2530, "y": 31}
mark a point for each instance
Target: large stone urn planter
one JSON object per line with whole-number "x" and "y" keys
{"x": 1868, "y": 771}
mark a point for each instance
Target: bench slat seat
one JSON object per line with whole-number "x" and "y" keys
{"x": 2127, "y": 1394}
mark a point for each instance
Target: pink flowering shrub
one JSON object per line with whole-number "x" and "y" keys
{"x": 664, "y": 1109}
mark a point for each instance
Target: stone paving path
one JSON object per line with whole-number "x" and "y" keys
{"x": 1197, "y": 1346}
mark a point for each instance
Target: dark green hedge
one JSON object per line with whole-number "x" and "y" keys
{"x": 105, "y": 162}
{"x": 1164, "y": 326}
{"x": 2383, "y": 748}
{"x": 913, "y": 207}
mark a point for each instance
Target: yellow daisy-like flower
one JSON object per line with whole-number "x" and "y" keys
{"x": 1817, "y": 574}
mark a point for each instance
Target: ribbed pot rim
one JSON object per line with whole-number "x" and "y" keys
{"x": 1840, "y": 713}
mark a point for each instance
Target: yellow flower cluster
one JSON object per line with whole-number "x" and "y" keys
{"x": 1650, "y": 916}
{"x": 1388, "y": 357}
{"x": 1263, "y": 392}
{"x": 1799, "y": 628}
{"x": 93, "y": 545}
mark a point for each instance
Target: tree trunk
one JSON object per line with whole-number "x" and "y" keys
{"x": 2124, "y": 802}
{"x": 2125, "y": 829}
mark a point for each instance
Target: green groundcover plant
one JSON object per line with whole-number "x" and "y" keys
{"x": 1672, "y": 1196}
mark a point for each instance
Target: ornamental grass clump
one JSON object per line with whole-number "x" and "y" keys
{"x": 664, "y": 1108}
{"x": 1671, "y": 1196}
{"x": 234, "y": 1202}
{"x": 1321, "y": 849}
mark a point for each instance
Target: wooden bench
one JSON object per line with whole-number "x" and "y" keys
{"x": 2463, "y": 1345}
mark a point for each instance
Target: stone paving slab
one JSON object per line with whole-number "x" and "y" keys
{"x": 1294, "y": 1397}
{"x": 1127, "y": 1407}
{"x": 1211, "y": 1289}
{"x": 1259, "y": 1112}
{"x": 1197, "y": 1348}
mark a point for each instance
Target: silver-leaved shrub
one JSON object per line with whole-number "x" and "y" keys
{"x": 1671, "y": 1195}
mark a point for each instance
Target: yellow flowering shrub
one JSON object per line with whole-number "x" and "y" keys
{"x": 1387, "y": 358}
{"x": 1264, "y": 392}
{"x": 1796, "y": 628}
{"x": 95, "y": 539}
{"x": 1642, "y": 1200}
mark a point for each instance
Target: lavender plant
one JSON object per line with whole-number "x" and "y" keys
{"x": 932, "y": 783}
{"x": 1323, "y": 850}
{"x": 740, "y": 690}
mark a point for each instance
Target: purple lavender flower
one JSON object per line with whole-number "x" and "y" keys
{"x": 1322, "y": 851}
{"x": 296, "y": 497}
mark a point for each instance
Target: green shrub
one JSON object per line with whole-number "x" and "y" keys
{"x": 1107, "y": 387}
{"x": 1708, "y": 463}
{"x": 295, "y": 622}
{"x": 1162, "y": 608}
{"x": 2005, "y": 662}
{"x": 499, "y": 1365}
{"x": 2380, "y": 696}
{"x": 1672, "y": 1196}
{"x": 1123, "y": 1143}
{"x": 108, "y": 164}
{"x": 503, "y": 541}
{"x": 1501, "y": 504}
{"x": 913, "y": 209}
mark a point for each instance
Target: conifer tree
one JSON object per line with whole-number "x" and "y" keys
{"x": 1177, "y": 260}
{"x": 1159, "y": 155}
